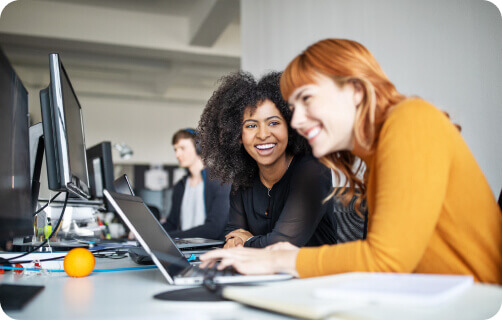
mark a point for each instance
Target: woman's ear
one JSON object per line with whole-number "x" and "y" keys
{"x": 358, "y": 92}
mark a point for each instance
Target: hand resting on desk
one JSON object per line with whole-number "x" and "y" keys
{"x": 233, "y": 243}
{"x": 237, "y": 238}
{"x": 277, "y": 258}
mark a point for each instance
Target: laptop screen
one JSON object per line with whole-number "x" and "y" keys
{"x": 150, "y": 230}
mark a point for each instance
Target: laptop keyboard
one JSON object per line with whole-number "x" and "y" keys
{"x": 212, "y": 272}
{"x": 182, "y": 241}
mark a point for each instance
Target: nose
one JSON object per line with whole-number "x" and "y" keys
{"x": 298, "y": 117}
{"x": 263, "y": 132}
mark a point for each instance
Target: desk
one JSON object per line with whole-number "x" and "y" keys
{"x": 129, "y": 295}
{"x": 118, "y": 295}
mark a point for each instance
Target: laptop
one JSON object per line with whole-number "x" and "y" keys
{"x": 155, "y": 240}
{"x": 197, "y": 243}
{"x": 123, "y": 185}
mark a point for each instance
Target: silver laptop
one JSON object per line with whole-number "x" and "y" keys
{"x": 197, "y": 243}
{"x": 123, "y": 185}
{"x": 155, "y": 240}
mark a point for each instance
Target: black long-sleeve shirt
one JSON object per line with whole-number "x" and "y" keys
{"x": 217, "y": 208}
{"x": 291, "y": 211}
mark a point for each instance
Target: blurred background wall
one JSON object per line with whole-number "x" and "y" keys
{"x": 448, "y": 52}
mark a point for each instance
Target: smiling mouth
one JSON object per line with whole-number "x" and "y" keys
{"x": 313, "y": 133}
{"x": 265, "y": 149}
{"x": 265, "y": 146}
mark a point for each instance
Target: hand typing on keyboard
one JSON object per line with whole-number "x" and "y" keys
{"x": 212, "y": 271}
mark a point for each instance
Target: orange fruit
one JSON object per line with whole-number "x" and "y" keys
{"x": 79, "y": 262}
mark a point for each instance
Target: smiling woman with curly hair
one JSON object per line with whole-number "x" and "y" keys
{"x": 277, "y": 186}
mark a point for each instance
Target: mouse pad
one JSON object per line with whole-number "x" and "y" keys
{"x": 196, "y": 294}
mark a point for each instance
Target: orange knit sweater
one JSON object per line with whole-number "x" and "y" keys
{"x": 431, "y": 209}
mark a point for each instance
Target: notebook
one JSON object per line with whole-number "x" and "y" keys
{"x": 155, "y": 240}
{"x": 321, "y": 297}
{"x": 401, "y": 288}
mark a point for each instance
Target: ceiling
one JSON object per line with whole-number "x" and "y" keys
{"x": 164, "y": 50}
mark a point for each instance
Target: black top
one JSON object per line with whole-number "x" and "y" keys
{"x": 291, "y": 211}
{"x": 216, "y": 203}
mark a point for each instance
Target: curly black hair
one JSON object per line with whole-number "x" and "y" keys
{"x": 220, "y": 126}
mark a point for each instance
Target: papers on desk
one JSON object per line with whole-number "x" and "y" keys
{"x": 316, "y": 298}
{"x": 397, "y": 288}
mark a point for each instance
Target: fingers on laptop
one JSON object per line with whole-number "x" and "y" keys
{"x": 242, "y": 259}
{"x": 283, "y": 245}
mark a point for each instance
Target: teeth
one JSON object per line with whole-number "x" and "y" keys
{"x": 265, "y": 146}
{"x": 313, "y": 133}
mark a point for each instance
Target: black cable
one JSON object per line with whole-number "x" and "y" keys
{"x": 61, "y": 257}
{"x": 45, "y": 206}
{"x": 3, "y": 260}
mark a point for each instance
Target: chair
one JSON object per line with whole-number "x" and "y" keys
{"x": 350, "y": 226}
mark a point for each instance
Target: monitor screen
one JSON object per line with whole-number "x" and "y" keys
{"x": 63, "y": 133}
{"x": 100, "y": 167}
{"x": 74, "y": 131}
{"x": 15, "y": 187}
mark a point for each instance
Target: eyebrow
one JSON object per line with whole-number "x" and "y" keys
{"x": 299, "y": 94}
{"x": 249, "y": 120}
{"x": 253, "y": 120}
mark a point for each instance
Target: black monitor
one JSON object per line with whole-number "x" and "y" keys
{"x": 15, "y": 187}
{"x": 63, "y": 128}
{"x": 100, "y": 167}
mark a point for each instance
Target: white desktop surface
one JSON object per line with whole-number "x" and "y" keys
{"x": 118, "y": 295}
{"x": 129, "y": 295}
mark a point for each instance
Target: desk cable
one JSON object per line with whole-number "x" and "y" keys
{"x": 47, "y": 204}
{"x": 54, "y": 230}
{"x": 115, "y": 251}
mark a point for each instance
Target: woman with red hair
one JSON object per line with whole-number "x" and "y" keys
{"x": 430, "y": 207}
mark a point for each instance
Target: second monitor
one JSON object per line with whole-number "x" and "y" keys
{"x": 63, "y": 133}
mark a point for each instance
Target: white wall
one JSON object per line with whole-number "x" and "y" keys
{"x": 449, "y": 52}
{"x": 146, "y": 126}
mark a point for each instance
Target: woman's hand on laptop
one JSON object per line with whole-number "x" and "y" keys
{"x": 283, "y": 245}
{"x": 253, "y": 261}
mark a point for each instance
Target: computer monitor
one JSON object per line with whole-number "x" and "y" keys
{"x": 15, "y": 188}
{"x": 63, "y": 127}
{"x": 100, "y": 167}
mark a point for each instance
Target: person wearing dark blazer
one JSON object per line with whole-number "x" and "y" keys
{"x": 200, "y": 205}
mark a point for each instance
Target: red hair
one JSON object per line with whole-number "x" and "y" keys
{"x": 347, "y": 61}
